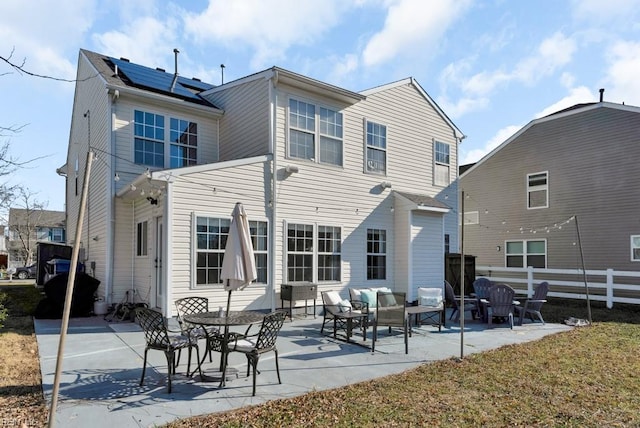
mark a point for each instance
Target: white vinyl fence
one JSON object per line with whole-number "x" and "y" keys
{"x": 603, "y": 285}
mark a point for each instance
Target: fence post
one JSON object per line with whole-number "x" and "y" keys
{"x": 529, "y": 281}
{"x": 609, "y": 288}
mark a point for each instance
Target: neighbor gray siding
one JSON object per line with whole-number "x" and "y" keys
{"x": 591, "y": 157}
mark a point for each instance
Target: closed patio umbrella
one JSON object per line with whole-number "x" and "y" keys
{"x": 238, "y": 265}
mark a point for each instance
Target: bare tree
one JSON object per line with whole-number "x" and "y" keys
{"x": 28, "y": 215}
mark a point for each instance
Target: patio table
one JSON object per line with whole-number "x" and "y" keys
{"x": 217, "y": 318}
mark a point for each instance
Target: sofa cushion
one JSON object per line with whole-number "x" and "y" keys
{"x": 332, "y": 298}
{"x": 429, "y": 296}
{"x": 355, "y": 294}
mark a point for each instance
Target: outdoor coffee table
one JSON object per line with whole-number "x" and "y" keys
{"x": 216, "y": 318}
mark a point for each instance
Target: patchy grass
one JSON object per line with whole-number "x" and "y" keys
{"x": 589, "y": 377}
{"x": 21, "y": 399}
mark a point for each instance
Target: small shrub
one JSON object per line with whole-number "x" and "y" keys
{"x": 3, "y": 311}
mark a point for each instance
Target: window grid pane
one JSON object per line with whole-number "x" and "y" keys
{"x": 526, "y": 253}
{"x": 376, "y": 254}
{"x": 376, "y": 148}
{"x": 148, "y": 138}
{"x": 184, "y": 141}
{"x": 537, "y": 190}
{"x": 329, "y": 253}
{"x": 211, "y": 239}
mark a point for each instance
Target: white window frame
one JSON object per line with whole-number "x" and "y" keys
{"x": 524, "y": 254}
{"x": 167, "y": 141}
{"x": 142, "y": 238}
{"x": 370, "y": 166}
{"x": 383, "y": 253}
{"x": 635, "y": 248}
{"x": 314, "y": 252}
{"x": 441, "y": 164}
{"x": 322, "y": 132}
{"x": 537, "y": 188}
{"x": 260, "y": 253}
{"x": 470, "y": 218}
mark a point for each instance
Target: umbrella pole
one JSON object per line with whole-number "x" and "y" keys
{"x": 228, "y": 301}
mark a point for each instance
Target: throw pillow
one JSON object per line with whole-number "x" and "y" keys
{"x": 386, "y": 299}
{"x": 369, "y": 297}
{"x": 345, "y": 306}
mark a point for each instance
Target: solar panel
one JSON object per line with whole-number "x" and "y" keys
{"x": 160, "y": 80}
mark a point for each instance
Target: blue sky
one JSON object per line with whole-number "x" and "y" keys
{"x": 491, "y": 65}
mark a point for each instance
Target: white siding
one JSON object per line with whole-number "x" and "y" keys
{"x": 244, "y": 128}
{"x": 427, "y": 253}
{"x": 194, "y": 195}
{"x": 92, "y": 130}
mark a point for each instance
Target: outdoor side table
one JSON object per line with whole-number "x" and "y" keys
{"x": 298, "y": 291}
{"x": 433, "y": 311}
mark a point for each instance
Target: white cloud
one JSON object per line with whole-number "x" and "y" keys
{"x": 577, "y": 95}
{"x": 553, "y": 52}
{"x": 144, "y": 40}
{"x": 462, "y": 106}
{"x": 621, "y": 81}
{"x": 270, "y": 28}
{"x": 44, "y": 37}
{"x": 604, "y": 12}
{"x": 500, "y": 137}
{"x": 343, "y": 67}
{"x": 410, "y": 25}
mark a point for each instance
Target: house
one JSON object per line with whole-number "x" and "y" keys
{"x": 341, "y": 188}
{"x": 27, "y": 227}
{"x": 571, "y": 171}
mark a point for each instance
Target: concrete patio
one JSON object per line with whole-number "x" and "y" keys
{"x": 99, "y": 386}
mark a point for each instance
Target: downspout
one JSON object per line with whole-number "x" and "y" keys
{"x": 166, "y": 270}
{"x": 273, "y": 104}
{"x": 109, "y": 268}
{"x": 133, "y": 244}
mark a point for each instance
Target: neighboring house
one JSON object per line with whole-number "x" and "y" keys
{"x": 521, "y": 197}
{"x": 341, "y": 188}
{"x": 27, "y": 227}
{"x": 4, "y": 255}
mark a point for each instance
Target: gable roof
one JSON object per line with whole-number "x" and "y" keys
{"x": 43, "y": 218}
{"x": 423, "y": 202}
{"x": 570, "y": 111}
{"x": 123, "y": 73}
{"x": 411, "y": 81}
{"x": 281, "y": 75}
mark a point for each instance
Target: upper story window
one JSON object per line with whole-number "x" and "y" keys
{"x": 526, "y": 253}
{"x": 635, "y": 248}
{"x": 376, "y": 150}
{"x": 148, "y": 139}
{"x": 184, "y": 142}
{"x": 51, "y": 234}
{"x": 308, "y": 125}
{"x": 442, "y": 164}
{"x": 538, "y": 190}
{"x": 314, "y": 253}
{"x": 151, "y": 147}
